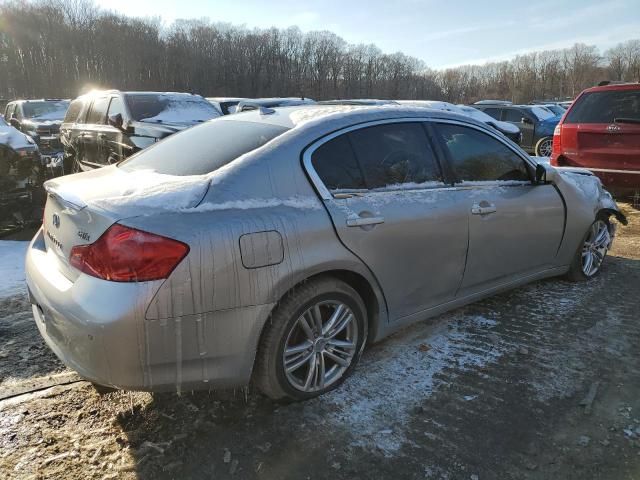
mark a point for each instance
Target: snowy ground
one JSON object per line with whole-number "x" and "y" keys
{"x": 490, "y": 391}
{"x": 12, "y": 267}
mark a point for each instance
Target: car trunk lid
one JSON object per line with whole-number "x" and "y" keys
{"x": 80, "y": 208}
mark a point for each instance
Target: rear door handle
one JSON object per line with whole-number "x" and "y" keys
{"x": 363, "y": 221}
{"x": 476, "y": 209}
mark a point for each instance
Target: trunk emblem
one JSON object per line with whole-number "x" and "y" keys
{"x": 613, "y": 128}
{"x": 56, "y": 220}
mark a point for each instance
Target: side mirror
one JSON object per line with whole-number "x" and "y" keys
{"x": 545, "y": 174}
{"x": 116, "y": 121}
{"x": 14, "y": 123}
{"x": 525, "y": 120}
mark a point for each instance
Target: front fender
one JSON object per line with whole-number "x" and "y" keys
{"x": 585, "y": 200}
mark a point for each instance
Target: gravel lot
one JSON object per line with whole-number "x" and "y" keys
{"x": 539, "y": 383}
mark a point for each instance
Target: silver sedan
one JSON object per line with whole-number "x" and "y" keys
{"x": 271, "y": 246}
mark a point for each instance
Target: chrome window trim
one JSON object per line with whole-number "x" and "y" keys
{"x": 325, "y": 193}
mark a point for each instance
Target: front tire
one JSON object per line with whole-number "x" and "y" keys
{"x": 591, "y": 252}
{"x": 312, "y": 342}
{"x": 544, "y": 147}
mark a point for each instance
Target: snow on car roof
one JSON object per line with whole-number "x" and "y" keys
{"x": 341, "y": 115}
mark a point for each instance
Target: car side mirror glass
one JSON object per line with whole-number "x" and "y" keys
{"x": 116, "y": 121}
{"x": 14, "y": 122}
{"x": 525, "y": 120}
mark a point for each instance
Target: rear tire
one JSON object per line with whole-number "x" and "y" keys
{"x": 312, "y": 341}
{"x": 591, "y": 252}
{"x": 544, "y": 147}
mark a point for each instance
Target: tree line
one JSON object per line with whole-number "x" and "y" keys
{"x": 60, "y": 48}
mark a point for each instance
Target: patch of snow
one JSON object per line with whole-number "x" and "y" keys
{"x": 180, "y": 108}
{"x": 12, "y": 255}
{"x": 304, "y": 115}
{"x": 401, "y": 374}
{"x": 253, "y": 203}
{"x": 536, "y": 159}
{"x": 134, "y": 192}
{"x": 489, "y": 183}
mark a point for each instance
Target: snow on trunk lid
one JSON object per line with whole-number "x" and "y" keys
{"x": 81, "y": 207}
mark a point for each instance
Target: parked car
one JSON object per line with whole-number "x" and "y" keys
{"x": 256, "y": 103}
{"x": 493, "y": 102}
{"x": 226, "y": 105}
{"x": 41, "y": 119}
{"x": 290, "y": 239}
{"x": 21, "y": 176}
{"x": 507, "y": 129}
{"x": 601, "y": 132}
{"x": 535, "y": 122}
{"x": 105, "y": 127}
{"x": 358, "y": 101}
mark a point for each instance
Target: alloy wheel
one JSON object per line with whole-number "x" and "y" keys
{"x": 545, "y": 148}
{"x": 595, "y": 248}
{"x": 320, "y": 346}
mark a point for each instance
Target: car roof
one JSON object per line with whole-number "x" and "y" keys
{"x": 340, "y": 116}
{"x": 227, "y": 99}
{"x": 614, "y": 86}
{"x": 359, "y": 101}
{"x": 40, "y": 100}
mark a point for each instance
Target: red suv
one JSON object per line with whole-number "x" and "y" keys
{"x": 601, "y": 132}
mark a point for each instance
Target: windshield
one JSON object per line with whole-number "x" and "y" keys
{"x": 557, "y": 109}
{"x": 605, "y": 107}
{"x": 542, "y": 113}
{"x": 203, "y": 149}
{"x": 170, "y": 108}
{"x": 45, "y": 110}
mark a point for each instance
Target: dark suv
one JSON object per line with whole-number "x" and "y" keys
{"x": 40, "y": 119}
{"x": 104, "y": 127}
{"x": 535, "y": 122}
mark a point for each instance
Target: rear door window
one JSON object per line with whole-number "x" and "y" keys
{"x": 493, "y": 112}
{"x": 98, "y": 112}
{"x": 336, "y": 165}
{"x": 513, "y": 115}
{"x": 605, "y": 107}
{"x": 478, "y": 157}
{"x": 395, "y": 154}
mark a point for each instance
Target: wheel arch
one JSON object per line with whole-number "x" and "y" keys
{"x": 372, "y": 297}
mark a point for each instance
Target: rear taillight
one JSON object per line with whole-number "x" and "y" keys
{"x": 557, "y": 140}
{"x": 124, "y": 254}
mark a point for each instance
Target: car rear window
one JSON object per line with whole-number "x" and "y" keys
{"x": 170, "y": 108}
{"x": 605, "y": 107}
{"x": 204, "y": 148}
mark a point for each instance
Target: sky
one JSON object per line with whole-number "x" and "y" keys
{"x": 442, "y": 33}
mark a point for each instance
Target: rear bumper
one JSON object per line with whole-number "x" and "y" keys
{"x": 98, "y": 328}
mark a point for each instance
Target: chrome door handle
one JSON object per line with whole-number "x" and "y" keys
{"x": 363, "y": 221}
{"x": 476, "y": 209}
